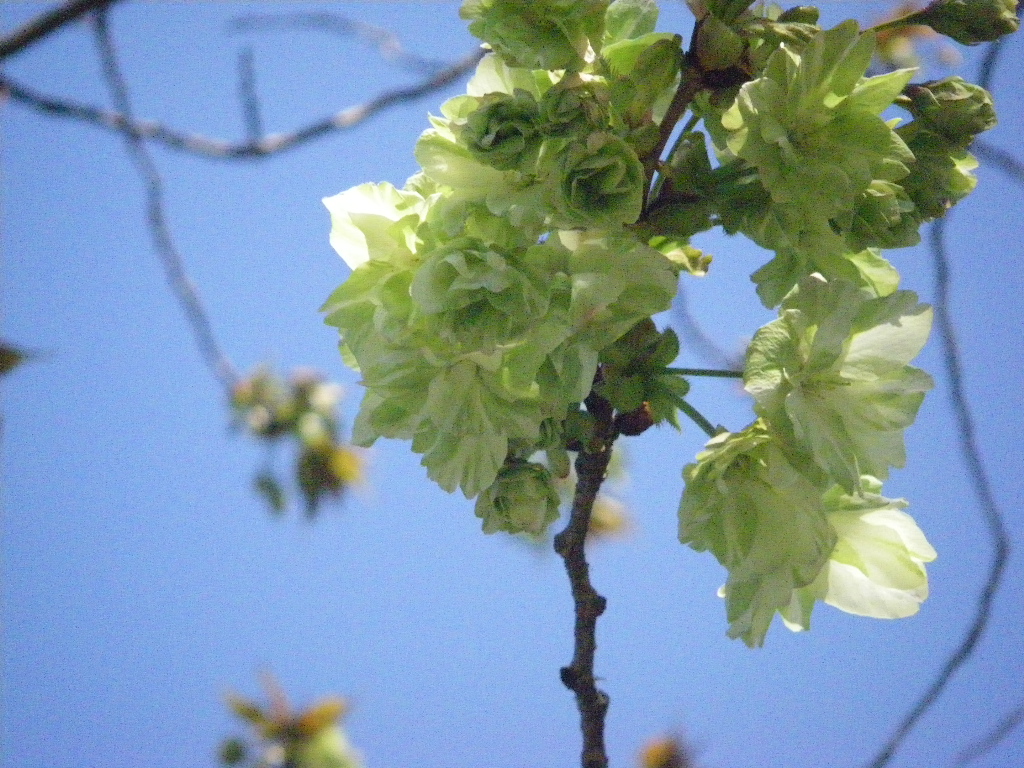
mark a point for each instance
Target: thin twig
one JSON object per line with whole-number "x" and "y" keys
{"x": 47, "y": 23}
{"x": 248, "y": 95}
{"x": 976, "y": 472}
{"x": 591, "y": 468}
{"x": 384, "y": 40}
{"x": 987, "y": 743}
{"x": 698, "y": 418}
{"x": 697, "y": 339}
{"x": 999, "y": 158}
{"x": 248, "y": 150}
{"x": 174, "y": 267}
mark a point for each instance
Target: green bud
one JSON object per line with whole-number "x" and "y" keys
{"x": 941, "y": 177}
{"x": 522, "y": 499}
{"x": 884, "y": 217}
{"x": 502, "y": 131}
{"x": 232, "y": 751}
{"x": 971, "y": 21}
{"x": 717, "y": 45}
{"x": 952, "y": 107}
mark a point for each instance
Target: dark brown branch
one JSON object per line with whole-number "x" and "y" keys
{"x": 591, "y": 468}
{"x": 248, "y": 150}
{"x": 49, "y": 22}
{"x": 174, "y": 267}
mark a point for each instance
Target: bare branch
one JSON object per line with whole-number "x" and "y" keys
{"x": 384, "y": 40}
{"x": 986, "y": 744}
{"x": 249, "y": 97}
{"x": 1006, "y": 162}
{"x": 267, "y": 145}
{"x": 174, "y": 267}
{"x": 979, "y": 478}
{"x": 591, "y": 468}
{"x": 49, "y": 22}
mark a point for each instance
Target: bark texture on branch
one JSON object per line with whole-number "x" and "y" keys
{"x": 591, "y": 468}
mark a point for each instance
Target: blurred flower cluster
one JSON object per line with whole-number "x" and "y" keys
{"x": 301, "y": 410}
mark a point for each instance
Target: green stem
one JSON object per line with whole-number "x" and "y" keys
{"x": 716, "y": 372}
{"x": 910, "y": 20}
{"x": 698, "y": 418}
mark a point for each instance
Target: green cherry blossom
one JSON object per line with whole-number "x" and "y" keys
{"x": 761, "y": 518}
{"x": 831, "y": 376}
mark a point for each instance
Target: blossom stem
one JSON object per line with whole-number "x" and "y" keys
{"x": 698, "y": 418}
{"x": 714, "y": 372}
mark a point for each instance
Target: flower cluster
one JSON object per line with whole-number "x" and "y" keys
{"x": 303, "y": 409}
{"x": 485, "y": 291}
{"x": 501, "y": 301}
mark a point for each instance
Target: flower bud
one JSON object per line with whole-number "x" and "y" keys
{"x": 521, "y": 500}
{"x": 952, "y": 107}
{"x": 971, "y": 21}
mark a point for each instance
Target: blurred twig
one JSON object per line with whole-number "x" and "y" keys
{"x": 975, "y": 470}
{"x": 988, "y": 742}
{"x": 48, "y": 22}
{"x": 248, "y": 96}
{"x": 163, "y": 240}
{"x": 697, "y": 339}
{"x": 1006, "y": 162}
{"x": 269, "y": 144}
{"x": 384, "y": 40}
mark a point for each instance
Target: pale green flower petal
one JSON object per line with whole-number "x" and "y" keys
{"x": 374, "y": 221}
{"x": 831, "y": 376}
{"x": 764, "y": 521}
{"x": 878, "y": 566}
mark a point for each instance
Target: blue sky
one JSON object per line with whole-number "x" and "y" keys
{"x": 142, "y": 578}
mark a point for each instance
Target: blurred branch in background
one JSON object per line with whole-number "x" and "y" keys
{"x": 384, "y": 40}
{"x": 163, "y": 240}
{"x": 47, "y": 23}
{"x": 989, "y": 742}
{"x": 976, "y": 471}
{"x": 999, "y": 158}
{"x": 246, "y": 150}
{"x": 304, "y": 411}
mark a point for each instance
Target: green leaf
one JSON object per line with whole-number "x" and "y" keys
{"x": 629, "y": 19}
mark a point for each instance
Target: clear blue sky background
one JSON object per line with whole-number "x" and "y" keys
{"x": 142, "y": 578}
